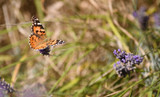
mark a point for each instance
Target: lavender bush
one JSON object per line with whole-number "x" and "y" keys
{"x": 126, "y": 63}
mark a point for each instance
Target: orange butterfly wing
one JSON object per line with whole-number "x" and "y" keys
{"x": 38, "y": 35}
{"x": 37, "y": 27}
{"x": 37, "y": 42}
{"x": 40, "y": 43}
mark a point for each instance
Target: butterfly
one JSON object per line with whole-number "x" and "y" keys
{"x": 38, "y": 39}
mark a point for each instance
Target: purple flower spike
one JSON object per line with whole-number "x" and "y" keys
{"x": 114, "y": 66}
{"x": 120, "y": 55}
{"x": 142, "y": 18}
{"x": 118, "y": 62}
{"x": 121, "y": 69}
{"x": 138, "y": 59}
{"x": 115, "y": 52}
{"x": 4, "y": 86}
{"x": 126, "y": 63}
{"x": 123, "y": 60}
{"x": 119, "y": 50}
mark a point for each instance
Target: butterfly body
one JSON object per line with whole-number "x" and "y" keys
{"x": 38, "y": 39}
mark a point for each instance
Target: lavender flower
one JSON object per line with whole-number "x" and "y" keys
{"x": 5, "y": 88}
{"x": 121, "y": 69}
{"x": 126, "y": 63}
{"x": 142, "y": 17}
{"x": 120, "y": 55}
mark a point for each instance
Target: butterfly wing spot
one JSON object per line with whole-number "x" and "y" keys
{"x": 38, "y": 31}
{"x": 39, "y": 24}
{"x": 60, "y": 42}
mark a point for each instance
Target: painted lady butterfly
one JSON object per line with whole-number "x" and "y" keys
{"x": 38, "y": 39}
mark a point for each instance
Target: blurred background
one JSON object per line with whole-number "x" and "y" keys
{"x": 83, "y": 66}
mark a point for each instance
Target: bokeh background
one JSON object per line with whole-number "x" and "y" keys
{"x": 83, "y": 66}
